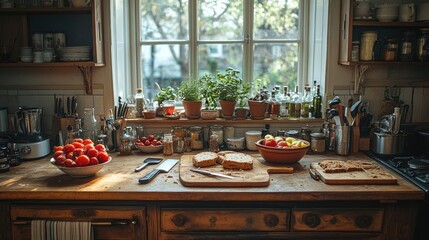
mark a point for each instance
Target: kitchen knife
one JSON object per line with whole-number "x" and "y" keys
{"x": 164, "y": 167}
{"x": 208, "y": 173}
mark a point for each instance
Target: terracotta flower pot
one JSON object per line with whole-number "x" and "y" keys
{"x": 257, "y": 109}
{"x": 241, "y": 113}
{"x": 228, "y": 108}
{"x": 192, "y": 109}
{"x": 209, "y": 114}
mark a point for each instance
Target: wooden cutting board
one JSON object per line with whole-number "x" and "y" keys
{"x": 256, "y": 177}
{"x": 370, "y": 176}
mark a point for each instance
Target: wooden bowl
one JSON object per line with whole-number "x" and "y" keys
{"x": 281, "y": 155}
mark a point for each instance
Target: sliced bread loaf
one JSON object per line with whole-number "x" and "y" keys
{"x": 204, "y": 159}
{"x": 237, "y": 161}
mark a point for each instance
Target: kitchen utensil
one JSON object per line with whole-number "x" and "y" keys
{"x": 342, "y": 139}
{"x": 353, "y": 178}
{"x": 355, "y": 108}
{"x": 146, "y": 162}
{"x": 387, "y": 143}
{"x": 336, "y": 100}
{"x": 164, "y": 167}
{"x": 208, "y": 173}
{"x": 256, "y": 177}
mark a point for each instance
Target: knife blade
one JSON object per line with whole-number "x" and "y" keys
{"x": 165, "y": 167}
{"x": 68, "y": 107}
{"x": 208, "y": 173}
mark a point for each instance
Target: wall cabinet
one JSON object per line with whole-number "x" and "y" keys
{"x": 81, "y": 26}
{"x": 351, "y": 29}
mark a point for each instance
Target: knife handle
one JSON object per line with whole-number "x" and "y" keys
{"x": 139, "y": 168}
{"x": 149, "y": 176}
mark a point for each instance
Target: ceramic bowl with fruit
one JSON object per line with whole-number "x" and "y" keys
{"x": 81, "y": 158}
{"x": 282, "y": 149}
{"x": 149, "y": 144}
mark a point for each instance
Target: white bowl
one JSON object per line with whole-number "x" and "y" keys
{"x": 27, "y": 59}
{"x": 150, "y": 149}
{"x": 86, "y": 171}
{"x": 386, "y": 18}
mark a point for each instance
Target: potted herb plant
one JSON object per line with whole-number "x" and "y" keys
{"x": 241, "y": 111}
{"x": 258, "y": 104}
{"x": 210, "y": 97}
{"x": 167, "y": 94}
{"x": 227, "y": 88}
{"x": 190, "y": 93}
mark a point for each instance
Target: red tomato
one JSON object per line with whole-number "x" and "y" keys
{"x": 60, "y": 160}
{"x": 82, "y": 160}
{"x": 100, "y": 147}
{"x": 87, "y": 147}
{"x": 138, "y": 140}
{"x": 87, "y": 141}
{"x": 92, "y": 152}
{"x": 78, "y": 145}
{"x": 70, "y": 155}
{"x": 69, "y": 163}
{"x": 69, "y": 148}
{"x": 147, "y": 143}
{"x": 57, "y": 148}
{"x": 103, "y": 157}
{"x": 78, "y": 152}
{"x": 282, "y": 144}
{"x": 270, "y": 142}
{"x": 158, "y": 143}
{"x": 79, "y": 140}
{"x": 154, "y": 142}
{"x": 151, "y": 137}
{"x": 57, "y": 153}
{"x": 93, "y": 161}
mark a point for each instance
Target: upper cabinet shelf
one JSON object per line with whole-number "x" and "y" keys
{"x": 388, "y": 45}
{"x": 80, "y": 27}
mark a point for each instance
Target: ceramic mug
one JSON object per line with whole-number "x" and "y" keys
{"x": 407, "y": 12}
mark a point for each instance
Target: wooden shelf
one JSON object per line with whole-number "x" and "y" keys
{"x": 44, "y": 10}
{"x": 51, "y": 64}
{"x": 389, "y": 24}
{"x": 161, "y": 120}
{"x": 353, "y": 63}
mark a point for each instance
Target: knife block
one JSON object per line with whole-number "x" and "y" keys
{"x": 55, "y": 130}
{"x": 64, "y": 122}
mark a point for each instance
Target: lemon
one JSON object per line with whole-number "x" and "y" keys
{"x": 290, "y": 140}
{"x": 269, "y": 136}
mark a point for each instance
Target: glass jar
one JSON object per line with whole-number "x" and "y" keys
{"x": 179, "y": 132}
{"x": 423, "y": 45}
{"x": 251, "y": 138}
{"x": 406, "y": 51}
{"x": 126, "y": 146}
{"x": 168, "y": 144}
{"x": 355, "y": 51}
{"x": 197, "y": 137}
{"x": 187, "y": 144}
{"x": 305, "y": 134}
{"x": 214, "y": 143}
{"x": 89, "y": 125}
{"x": 318, "y": 142}
{"x": 217, "y": 130}
{"x": 390, "y": 50}
{"x": 367, "y": 42}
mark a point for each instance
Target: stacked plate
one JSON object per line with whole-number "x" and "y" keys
{"x": 75, "y": 54}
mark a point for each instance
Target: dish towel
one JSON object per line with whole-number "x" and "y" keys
{"x": 61, "y": 230}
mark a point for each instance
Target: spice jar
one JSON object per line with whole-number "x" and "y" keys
{"x": 390, "y": 50}
{"x": 217, "y": 130}
{"x": 179, "y": 132}
{"x": 214, "y": 143}
{"x": 423, "y": 44}
{"x": 126, "y": 147}
{"x": 355, "y": 51}
{"x": 318, "y": 142}
{"x": 197, "y": 137}
{"x": 187, "y": 144}
{"x": 168, "y": 144}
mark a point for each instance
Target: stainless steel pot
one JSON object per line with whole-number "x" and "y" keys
{"x": 387, "y": 143}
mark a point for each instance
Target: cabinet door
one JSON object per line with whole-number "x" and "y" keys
{"x": 110, "y": 222}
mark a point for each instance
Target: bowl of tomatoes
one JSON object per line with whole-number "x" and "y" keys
{"x": 282, "y": 149}
{"x": 149, "y": 144}
{"x": 81, "y": 158}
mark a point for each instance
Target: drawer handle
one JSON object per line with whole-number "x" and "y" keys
{"x": 179, "y": 220}
{"x": 363, "y": 221}
{"x": 311, "y": 220}
{"x": 271, "y": 220}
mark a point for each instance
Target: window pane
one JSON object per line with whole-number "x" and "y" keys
{"x": 276, "y": 64}
{"x": 168, "y": 65}
{"x": 220, "y": 19}
{"x": 276, "y": 19}
{"x": 213, "y": 57}
{"x": 164, "y": 19}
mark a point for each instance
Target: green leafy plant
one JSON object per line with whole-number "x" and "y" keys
{"x": 190, "y": 90}
{"x": 228, "y": 85}
{"x": 208, "y": 92}
{"x": 243, "y": 95}
{"x": 167, "y": 93}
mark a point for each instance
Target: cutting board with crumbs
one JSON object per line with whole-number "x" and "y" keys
{"x": 366, "y": 177}
{"x": 256, "y": 177}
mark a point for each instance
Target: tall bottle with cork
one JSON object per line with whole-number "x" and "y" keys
{"x": 317, "y": 103}
{"x": 139, "y": 98}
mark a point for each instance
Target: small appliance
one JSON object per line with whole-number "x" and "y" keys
{"x": 28, "y": 136}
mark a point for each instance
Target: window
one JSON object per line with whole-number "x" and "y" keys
{"x": 263, "y": 39}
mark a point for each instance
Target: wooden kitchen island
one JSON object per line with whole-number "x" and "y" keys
{"x": 293, "y": 206}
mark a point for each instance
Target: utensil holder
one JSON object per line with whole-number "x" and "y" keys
{"x": 342, "y": 139}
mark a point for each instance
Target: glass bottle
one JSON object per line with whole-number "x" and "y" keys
{"x": 284, "y": 102}
{"x": 317, "y": 103}
{"x": 217, "y": 130}
{"x": 126, "y": 146}
{"x": 168, "y": 144}
{"x": 274, "y": 107}
{"x": 295, "y": 104}
{"x": 89, "y": 124}
{"x": 307, "y": 101}
{"x": 139, "y": 98}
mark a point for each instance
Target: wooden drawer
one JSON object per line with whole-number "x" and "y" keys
{"x": 107, "y": 222}
{"x": 342, "y": 220}
{"x": 197, "y": 219}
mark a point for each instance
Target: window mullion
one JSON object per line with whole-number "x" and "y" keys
{"x": 248, "y": 10}
{"x": 193, "y": 39}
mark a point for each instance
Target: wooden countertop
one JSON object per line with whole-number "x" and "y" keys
{"x": 39, "y": 180}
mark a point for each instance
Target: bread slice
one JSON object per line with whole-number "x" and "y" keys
{"x": 204, "y": 159}
{"x": 237, "y": 161}
{"x": 221, "y": 156}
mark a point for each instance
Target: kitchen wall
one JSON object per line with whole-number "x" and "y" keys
{"x": 35, "y": 87}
